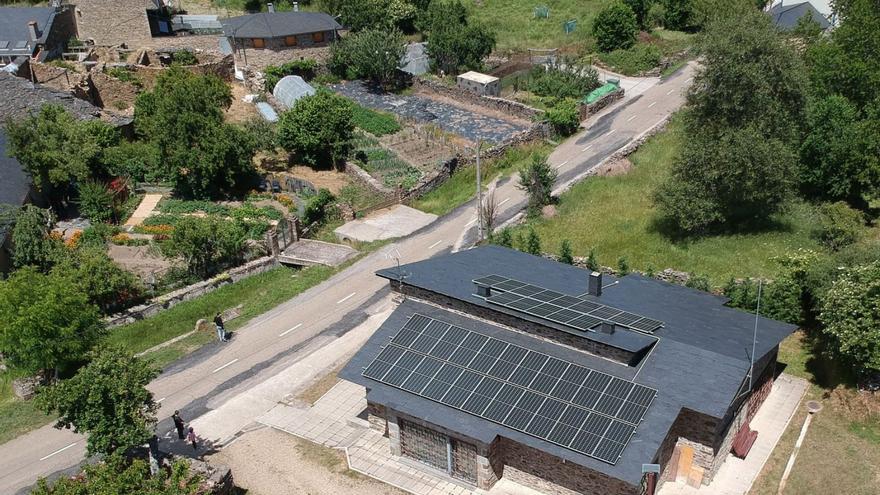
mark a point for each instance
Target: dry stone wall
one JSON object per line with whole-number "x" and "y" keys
{"x": 504, "y": 105}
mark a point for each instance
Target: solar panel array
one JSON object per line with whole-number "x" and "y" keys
{"x": 561, "y": 308}
{"x": 585, "y": 410}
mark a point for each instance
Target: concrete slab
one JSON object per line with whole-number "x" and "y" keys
{"x": 387, "y": 223}
{"x": 145, "y": 209}
{"x": 308, "y": 252}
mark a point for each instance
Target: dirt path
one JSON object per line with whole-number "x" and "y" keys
{"x": 267, "y": 462}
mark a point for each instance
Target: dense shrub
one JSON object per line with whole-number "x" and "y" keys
{"x": 570, "y": 82}
{"x": 780, "y": 299}
{"x": 369, "y": 54}
{"x": 850, "y": 315}
{"x": 537, "y": 181}
{"x": 138, "y": 160}
{"x": 615, "y": 27}
{"x": 376, "y": 123}
{"x": 303, "y": 68}
{"x": 633, "y": 60}
{"x": 207, "y": 245}
{"x": 839, "y": 225}
{"x": 318, "y": 207}
{"x": 95, "y": 201}
{"x": 184, "y": 57}
{"x": 563, "y": 117}
{"x": 318, "y": 128}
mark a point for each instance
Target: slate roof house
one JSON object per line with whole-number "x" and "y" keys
{"x": 785, "y": 17}
{"x": 15, "y": 190}
{"x": 39, "y": 32}
{"x": 502, "y": 364}
{"x": 280, "y": 30}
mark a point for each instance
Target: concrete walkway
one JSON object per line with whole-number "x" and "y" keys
{"x": 145, "y": 209}
{"x": 736, "y": 476}
{"x": 387, "y": 223}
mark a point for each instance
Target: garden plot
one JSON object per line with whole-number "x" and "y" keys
{"x": 467, "y": 123}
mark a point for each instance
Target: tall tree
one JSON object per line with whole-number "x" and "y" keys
{"x": 107, "y": 400}
{"x": 117, "y": 475}
{"x": 48, "y": 325}
{"x": 615, "y": 27}
{"x": 31, "y": 244}
{"x": 454, "y": 47}
{"x": 537, "y": 181}
{"x": 319, "y": 128}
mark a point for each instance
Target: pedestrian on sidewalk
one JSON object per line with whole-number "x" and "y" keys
{"x": 221, "y": 330}
{"x": 191, "y": 438}
{"x": 178, "y": 423}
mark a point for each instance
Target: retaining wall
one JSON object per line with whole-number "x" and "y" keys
{"x": 504, "y": 105}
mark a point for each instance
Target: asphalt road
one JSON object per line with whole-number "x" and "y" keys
{"x": 271, "y": 342}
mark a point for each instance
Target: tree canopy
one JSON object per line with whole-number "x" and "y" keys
{"x": 370, "y": 54}
{"x": 615, "y": 27}
{"x": 31, "y": 243}
{"x": 318, "y": 128}
{"x": 115, "y": 475}
{"x": 537, "y": 181}
{"x": 107, "y": 400}
{"x": 207, "y": 245}
{"x": 850, "y": 315}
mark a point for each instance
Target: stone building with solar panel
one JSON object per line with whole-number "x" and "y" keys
{"x": 499, "y": 364}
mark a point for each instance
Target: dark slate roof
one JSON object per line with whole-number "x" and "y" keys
{"x": 14, "y": 182}
{"x": 14, "y": 36}
{"x": 786, "y": 16}
{"x": 20, "y": 98}
{"x": 700, "y": 360}
{"x": 278, "y": 24}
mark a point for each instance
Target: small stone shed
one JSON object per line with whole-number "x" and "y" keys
{"x": 478, "y": 83}
{"x": 469, "y": 377}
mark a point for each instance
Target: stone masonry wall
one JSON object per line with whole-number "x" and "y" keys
{"x": 504, "y": 105}
{"x": 376, "y": 417}
{"x": 692, "y": 429}
{"x": 113, "y": 22}
{"x": 586, "y": 111}
{"x": 550, "y": 474}
{"x": 534, "y": 329}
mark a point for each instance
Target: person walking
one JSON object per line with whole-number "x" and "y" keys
{"x": 178, "y": 423}
{"x": 191, "y": 438}
{"x": 221, "y": 331}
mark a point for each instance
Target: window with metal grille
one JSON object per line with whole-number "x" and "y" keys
{"x": 464, "y": 461}
{"x": 458, "y": 459}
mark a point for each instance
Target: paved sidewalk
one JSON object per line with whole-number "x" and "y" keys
{"x": 145, "y": 209}
{"x": 736, "y": 476}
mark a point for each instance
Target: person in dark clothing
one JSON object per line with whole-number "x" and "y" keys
{"x": 178, "y": 423}
{"x": 221, "y": 331}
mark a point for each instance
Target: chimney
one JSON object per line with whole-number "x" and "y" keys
{"x": 607, "y": 327}
{"x": 32, "y": 30}
{"x": 484, "y": 290}
{"x": 270, "y": 7}
{"x": 594, "y": 286}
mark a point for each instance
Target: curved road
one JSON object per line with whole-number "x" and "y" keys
{"x": 212, "y": 375}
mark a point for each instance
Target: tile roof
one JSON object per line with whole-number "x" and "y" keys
{"x": 278, "y": 24}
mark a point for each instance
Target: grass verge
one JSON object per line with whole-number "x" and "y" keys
{"x": 17, "y": 416}
{"x": 617, "y": 217}
{"x": 321, "y": 385}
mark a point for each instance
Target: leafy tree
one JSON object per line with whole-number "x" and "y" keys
{"x": 106, "y": 284}
{"x": 207, "y": 244}
{"x": 563, "y": 117}
{"x": 850, "y": 315}
{"x": 31, "y": 243}
{"x": 739, "y": 175}
{"x": 95, "y": 201}
{"x": 533, "y": 242}
{"x": 839, "y": 225}
{"x": 677, "y": 14}
{"x": 640, "y": 9}
{"x": 116, "y": 475}
{"x": 838, "y": 159}
{"x": 807, "y": 29}
{"x": 48, "y": 325}
{"x": 565, "y": 255}
{"x": 107, "y": 399}
{"x": 137, "y": 160}
{"x": 455, "y": 47}
{"x": 369, "y": 54}
{"x": 537, "y": 181}
{"x": 440, "y": 12}
{"x": 749, "y": 75}
{"x": 318, "y": 128}
{"x": 570, "y": 82}
{"x": 615, "y": 27}
{"x": 218, "y": 161}
{"x": 56, "y": 149}
{"x": 303, "y": 68}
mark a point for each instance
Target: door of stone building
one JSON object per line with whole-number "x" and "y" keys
{"x": 455, "y": 457}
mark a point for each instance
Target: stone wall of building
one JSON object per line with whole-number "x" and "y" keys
{"x": 63, "y": 28}
{"x": 109, "y": 92}
{"x": 259, "y": 59}
{"x": 588, "y": 110}
{"x": 456, "y": 93}
{"x": 113, "y": 22}
{"x": 376, "y": 417}
{"x": 222, "y": 68}
{"x": 549, "y": 474}
{"x": 520, "y": 325}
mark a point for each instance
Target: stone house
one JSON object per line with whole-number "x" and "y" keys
{"x": 500, "y": 364}
{"x": 115, "y": 22}
{"x": 478, "y": 83}
{"x": 277, "y": 31}
{"x": 38, "y": 32}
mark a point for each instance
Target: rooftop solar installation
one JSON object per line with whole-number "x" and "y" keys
{"x": 567, "y": 310}
{"x": 579, "y": 408}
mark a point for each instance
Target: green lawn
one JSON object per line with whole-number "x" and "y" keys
{"x": 517, "y": 29}
{"x": 617, "y": 217}
{"x": 462, "y": 186}
{"x": 17, "y": 417}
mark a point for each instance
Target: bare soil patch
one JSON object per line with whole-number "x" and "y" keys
{"x": 321, "y": 386}
{"x": 139, "y": 260}
{"x": 614, "y": 168}
{"x": 268, "y": 461}
{"x": 239, "y": 111}
{"x": 327, "y": 179}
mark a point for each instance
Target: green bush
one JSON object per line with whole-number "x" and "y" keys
{"x": 572, "y": 82}
{"x": 699, "y": 282}
{"x": 95, "y": 201}
{"x": 615, "y": 27}
{"x": 180, "y": 206}
{"x": 565, "y": 255}
{"x": 376, "y": 123}
{"x": 305, "y": 69}
{"x": 318, "y": 207}
{"x": 138, "y": 160}
{"x": 633, "y": 60}
{"x": 184, "y": 57}
{"x": 563, "y": 117}
{"x": 124, "y": 75}
{"x": 780, "y": 299}
{"x": 839, "y": 225}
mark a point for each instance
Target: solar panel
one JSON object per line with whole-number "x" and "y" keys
{"x": 579, "y": 408}
{"x": 568, "y": 310}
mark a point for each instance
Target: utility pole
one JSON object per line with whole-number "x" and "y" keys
{"x": 479, "y": 193}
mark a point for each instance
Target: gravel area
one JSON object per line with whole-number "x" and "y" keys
{"x": 268, "y": 462}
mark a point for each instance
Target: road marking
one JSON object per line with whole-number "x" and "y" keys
{"x": 160, "y": 400}
{"x": 346, "y": 298}
{"x": 432, "y": 246}
{"x": 282, "y": 334}
{"x": 508, "y": 199}
{"x": 688, "y": 80}
{"x": 585, "y": 149}
{"x": 634, "y": 116}
{"x": 560, "y": 165}
{"x": 652, "y": 104}
{"x": 670, "y": 92}
{"x": 471, "y": 223}
{"x": 58, "y": 451}
{"x": 225, "y": 365}
{"x": 610, "y": 132}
